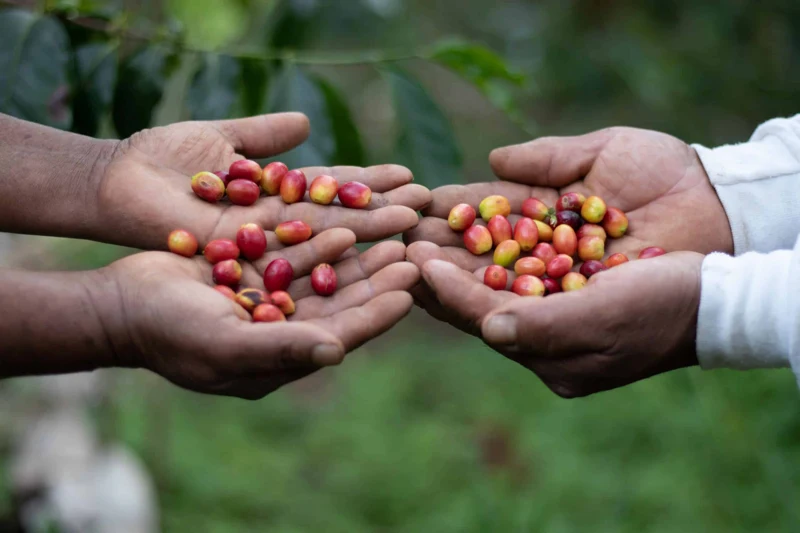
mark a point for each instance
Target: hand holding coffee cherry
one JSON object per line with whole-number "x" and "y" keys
{"x": 628, "y": 323}
{"x": 145, "y": 191}
{"x": 207, "y": 337}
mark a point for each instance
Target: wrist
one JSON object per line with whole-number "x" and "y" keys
{"x": 718, "y": 227}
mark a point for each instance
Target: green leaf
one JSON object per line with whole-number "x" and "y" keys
{"x": 140, "y": 86}
{"x": 253, "y": 82}
{"x": 95, "y": 73}
{"x": 34, "y": 62}
{"x": 294, "y": 90}
{"x": 349, "y": 149}
{"x": 483, "y": 68}
{"x": 426, "y": 143}
{"x": 213, "y": 90}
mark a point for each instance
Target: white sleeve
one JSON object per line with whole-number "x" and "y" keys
{"x": 758, "y": 183}
{"x": 749, "y": 310}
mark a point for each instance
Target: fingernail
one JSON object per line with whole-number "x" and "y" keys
{"x": 501, "y": 329}
{"x": 327, "y": 355}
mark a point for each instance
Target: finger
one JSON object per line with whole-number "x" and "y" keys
{"x": 461, "y": 293}
{"x": 264, "y": 135}
{"x": 368, "y": 225}
{"x": 258, "y": 348}
{"x": 380, "y": 178}
{"x": 443, "y": 199}
{"x": 422, "y": 251}
{"x": 435, "y": 230}
{"x": 413, "y": 196}
{"x": 355, "y": 269}
{"x": 326, "y": 247}
{"x": 356, "y": 326}
{"x": 395, "y": 277}
{"x": 550, "y": 161}
{"x": 561, "y": 325}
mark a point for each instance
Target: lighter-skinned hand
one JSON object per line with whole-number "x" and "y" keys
{"x": 629, "y": 323}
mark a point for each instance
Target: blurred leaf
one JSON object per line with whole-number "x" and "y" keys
{"x": 294, "y": 90}
{"x": 349, "y": 149}
{"x": 34, "y": 60}
{"x": 140, "y": 86}
{"x": 292, "y": 23}
{"x": 254, "y": 76}
{"x": 213, "y": 90}
{"x": 425, "y": 143}
{"x": 483, "y": 68}
{"x": 95, "y": 78}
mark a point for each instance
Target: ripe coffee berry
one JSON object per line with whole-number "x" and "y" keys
{"x": 243, "y": 192}
{"x": 653, "y": 251}
{"x": 527, "y": 285}
{"x": 272, "y": 176}
{"x": 208, "y": 187}
{"x": 461, "y": 217}
{"x": 355, "y": 195}
{"x": 478, "y": 240}
{"x": 323, "y": 279}
{"x": 500, "y": 228}
{"x": 278, "y": 275}
{"x": 220, "y": 250}
{"x": 494, "y": 205}
{"x": 251, "y": 241}
{"x": 182, "y": 242}
{"x": 495, "y": 277}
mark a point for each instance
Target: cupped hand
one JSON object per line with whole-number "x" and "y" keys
{"x": 656, "y": 179}
{"x": 160, "y": 312}
{"x": 144, "y": 192}
{"x": 629, "y": 323}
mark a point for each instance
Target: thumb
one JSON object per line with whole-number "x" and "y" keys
{"x": 550, "y": 161}
{"x": 264, "y": 135}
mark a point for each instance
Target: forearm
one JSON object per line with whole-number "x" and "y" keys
{"x": 51, "y": 324}
{"x": 749, "y": 310}
{"x": 757, "y": 183}
{"x": 48, "y": 179}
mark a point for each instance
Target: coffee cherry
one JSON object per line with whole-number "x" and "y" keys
{"x": 591, "y": 248}
{"x": 461, "y": 217}
{"x": 478, "y": 240}
{"x": 527, "y": 285}
{"x": 564, "y": 239}
{"x": 243, "y": 192}
{"x": 591, "y": 230}
{"x": 535, "y": 209}
{"x": 531, "y": 265}
{"x": 545, "y": 231}
{"x": 526, "y": 234}
{"x": 593, "y": 210}
{"x": 616, "y": 259}
{"x": 293, "y": 186}
{"x": 220, "y": 250}
{"x": 227, "y": 272}
{"x": 544, "y": 252}
{"x": 182, "y": 242}
{"x": 224, "y": 176}
{"x": 283, "y": 301}
{"x": 569, "y": 218}
{"x": 208, "y": 187}
{"x": 226, "y": 292}
{"x": 551, "y": 286}
{"x": 252, "y": 298}
{"x": 573, "y": 281}
{"x": 500, "y": 228}
{"x": 495, "y": 277}
{"x": 323, "y": 189}
{"x": 355, "y": 195}
{"x": 268, "y": 313}
{"x": 592, "y": 267}
{"x": 506, "y": 253}
{"x": 571, "y": 201}
{"x": 278, "y": 275}
{"x": 559, "y": 266}
{"x": 293, "y": 232}
{"x": 652, "y": 251}
{"x": 323, "y": 279}
{"x": 251, "y": 241}
{"x": 615, "y": 222}
{"x": 494, "y": 205}
{"x": 245, "y": 170}
{"x": 272, "y": 176}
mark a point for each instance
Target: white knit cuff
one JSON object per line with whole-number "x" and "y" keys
{"x": 744, "y": 321}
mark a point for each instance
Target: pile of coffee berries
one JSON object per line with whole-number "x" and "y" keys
{"x": 576, "y": 226}
{"x": 271, "y": 305}
{"x": 245, "y": 179}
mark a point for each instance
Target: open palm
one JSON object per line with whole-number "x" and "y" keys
{"x": 168, "y": 318}
{"x": 144, "y": 190}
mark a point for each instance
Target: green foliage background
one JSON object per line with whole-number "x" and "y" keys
{"x": 425, "y": 429}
